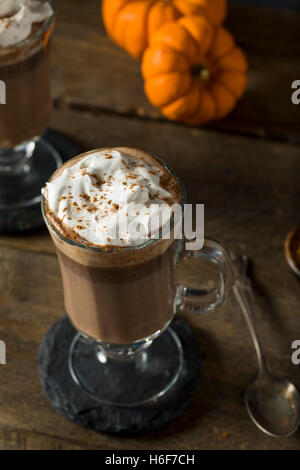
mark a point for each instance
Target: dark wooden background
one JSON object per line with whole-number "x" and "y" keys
{"x": 293, "y": 4}
{"x": 245, "y": 169}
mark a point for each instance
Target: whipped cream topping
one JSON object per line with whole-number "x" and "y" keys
{"x": 17, "y": 18}
{"x": 108, "y": 198}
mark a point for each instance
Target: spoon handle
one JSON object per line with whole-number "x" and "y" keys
{"x": 244, "y": 295}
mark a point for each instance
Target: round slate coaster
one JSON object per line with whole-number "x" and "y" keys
{"x": 65, "y": 147}
{"x": 79, "y": 407}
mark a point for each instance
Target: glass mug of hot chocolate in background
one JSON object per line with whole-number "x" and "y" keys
{"x": 121, "y": 302}
{"x": 26, "y": 160}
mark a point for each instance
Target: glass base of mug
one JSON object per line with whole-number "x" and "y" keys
{"x": 129, "y": 377}
{"x": 23, "y": 172}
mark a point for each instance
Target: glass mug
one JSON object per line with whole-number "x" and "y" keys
{"x": 122, "y": 301}
{"x": 26, "y": 160}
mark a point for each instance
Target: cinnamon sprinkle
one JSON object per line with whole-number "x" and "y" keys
{"x": 85, "y": 196}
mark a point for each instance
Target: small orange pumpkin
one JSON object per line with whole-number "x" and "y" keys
{"x": 193, "y": 72}
{"x": 132, "y": 23}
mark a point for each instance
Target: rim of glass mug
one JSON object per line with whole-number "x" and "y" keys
{"x": 115, "y": 248}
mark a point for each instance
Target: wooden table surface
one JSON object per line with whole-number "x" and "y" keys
{"x": 245, "y": 169}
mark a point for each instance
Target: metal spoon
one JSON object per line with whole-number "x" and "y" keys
{"x": 272, "y": 403}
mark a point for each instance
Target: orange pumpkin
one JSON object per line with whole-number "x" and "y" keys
{"x": 193, "y": 72}
{"x": 132, "y": 23}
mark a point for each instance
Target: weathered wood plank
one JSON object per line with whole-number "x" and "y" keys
{"x": 35, "y": 240}
{"x": 243, "y": 181}
{"x": 250, "y": 188}
{"x": 86, "y": 65}
{"x": 216, "y": 419}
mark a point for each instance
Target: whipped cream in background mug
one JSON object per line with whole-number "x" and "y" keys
{"x": 17, "y": 18}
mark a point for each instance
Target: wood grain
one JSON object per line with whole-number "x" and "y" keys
{"x": 250, "y": 188}
{"x": 250, "y": 207}
{"x": 86, "y": 64}
{"x": 216, "y": 419}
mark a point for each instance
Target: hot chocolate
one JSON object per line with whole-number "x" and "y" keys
{"x": 24, "y": 67}
{"x": 118, "y": 288}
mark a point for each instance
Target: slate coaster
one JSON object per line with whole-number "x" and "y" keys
{"x": 65, "y": 147}
{"x": 79, "y": 407}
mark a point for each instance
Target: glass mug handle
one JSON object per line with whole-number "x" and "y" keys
{"x": 193, "y": 300}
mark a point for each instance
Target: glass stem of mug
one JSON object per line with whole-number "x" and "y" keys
{"x": 126, "y": 352}
{"x": 16, "y": 160}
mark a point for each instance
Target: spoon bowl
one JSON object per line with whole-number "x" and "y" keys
{"x": 273, "y": 405}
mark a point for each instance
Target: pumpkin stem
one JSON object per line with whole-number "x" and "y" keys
{"x": 200, "y": 72}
